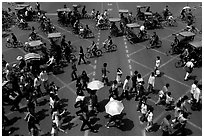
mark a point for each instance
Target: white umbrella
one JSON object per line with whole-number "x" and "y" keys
{"x": 95, "y": 85}
{"x": 114, "y": 107}
{"x": 186, "y": 7}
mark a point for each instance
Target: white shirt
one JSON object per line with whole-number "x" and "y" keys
{"x": 142, "y": 28}
{"x": 196, "y": 94}
{"x": 143, "y": 108}
{"x": 158, "y": 63}
{"x": 140, "y": 80}
{"x": 36, "y": 82}
{"x": 151, "y": 80}
{"x": 189, "y": 64}
{"x": 150, "y": 117}
{"x": 43, "y": 76}
{"x": 126, "y": 85}
{"x": 193, "y": 88}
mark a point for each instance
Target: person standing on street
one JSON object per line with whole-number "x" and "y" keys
{"x": 189, "y": 68}
{"x": 73, "y": 74}
{"x": 151, "y": 82}
{"x": 157, "y": 65}
{"x": 126, "y": 88}
{"x": 134, "y": 81}
{"x": 104, "y": 73}
{"x": 81, "y": 56}
{"x": 165, "y": 126}
{"x": 44, "y": 78}
{"x": 119, "y": 75}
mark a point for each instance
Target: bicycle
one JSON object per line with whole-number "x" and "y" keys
{"x": 14, "y": 45}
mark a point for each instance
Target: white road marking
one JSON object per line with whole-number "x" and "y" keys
{"x": 137, "y": 51}
{"x": 169, "y": 61}
{"x": 126, "y": 51}
{"x": 131, "y": 73}
{"x": 110, "y": 9}
{"x": 130, "y": 67}
{"x": 126, "y": 46}
{"x": 95, "y": 61}
{"x": 125, "y": 42}
{"x": 140, "y": 64}
{"x": 127, "y": 55}
{"x": 109, "y": 4}
{"x": 143, "y": 132}
{"x": 177, "y": 81}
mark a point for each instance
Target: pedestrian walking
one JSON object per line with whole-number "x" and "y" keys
{"x": 165, "y": 126}
{"x": 37, "y": 84}
{"x": 126, "y": 88}
{"x": 81, "y": 56}
{"x": 85, "y": 80}
{"x": 118, "y": 76}
{"x": 157, "y": 65}
{"x": 189, "y": 68}
{"x": 114, "y": 91}
{"x": 104, "y": 74}
{"x": 151, "y": 82}
{"x": 73, "y": 74}
{"x": 149, "y": 116}
{"x": 134, "y": 82}
{"x": 44, "y": 78}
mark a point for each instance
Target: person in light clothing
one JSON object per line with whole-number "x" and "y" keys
{"x": 44, "y": 78}
{"x": 119, "y": 75}
{"x": 151, "y": 82}
{"x": 193, "y": 88}
{"x": 189, "y": 68}
{"x": 126, "y": 88}
{"x": 157, "y": 65}
{"x": 149, "y": 120}
{"x": 196, "y": 95}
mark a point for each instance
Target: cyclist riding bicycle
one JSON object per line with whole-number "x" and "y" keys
{"x": 33, "y": 34}
{"x": 155, "y": 39}
{"x": 175, "y": 44}
{"x": 94, "y": 48}
{"x": 86, "y": 31}
{"x": 142, "y": 31}
{"x": 23, "y": 23}
{"x": 184, "y": 56}
{"x": 108, "y": 42}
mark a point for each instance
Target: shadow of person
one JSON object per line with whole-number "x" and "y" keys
{"x": 102, "y": 104}
{"x": 126, "y": 125}
{"x": 12, "y": 121}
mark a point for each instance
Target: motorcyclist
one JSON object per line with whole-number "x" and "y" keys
{"x": 33, "y": 34}
{"x": 87, "y": 30}
{"x": 155, "y": 39}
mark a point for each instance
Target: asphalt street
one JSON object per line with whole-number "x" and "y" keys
{"x": 129, "y": 57}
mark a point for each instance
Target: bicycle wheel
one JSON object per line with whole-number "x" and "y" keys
{"x": 113, "y": 47}
{"x": 19, "y": 45}
{"x": 9, "y": 45}
{"x": 26, "y": 48}
{"x": 99, "y": 53}
{"x": 179, "y": 64}
{"x": 88, "y": 55}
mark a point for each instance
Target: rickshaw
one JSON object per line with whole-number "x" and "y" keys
{"x": 140, "y": 15}
{"x": 33, "y": 46}
{"x": 32, "y": 56}
{"x": 186, "y": 37}
{"x": 75, "y": 10}
{"x": 114, "y": 31}
{"x": 131, "y": 35}
{"x": 123, "y": 15}
{"x": 54, "y": 36}
{"x": 195, "y": 49}
{"x": 62, "y": 19}
{"x": 21, "y": 8}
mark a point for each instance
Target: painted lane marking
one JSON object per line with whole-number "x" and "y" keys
{"x": 126, "y": 51}
{"x": 140, "y": 64}
{"x": 176, "y": 81}
{"x": 137, "y": 51}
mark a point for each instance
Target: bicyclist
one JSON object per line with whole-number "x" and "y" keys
{"x": 108, "y": 42}
{"x": 155, "y": 39}
{"x": 14, "y": 38}
{"x": 142, "y": 31}
{"x": 175, "y": 43}
{"x": 87, "y": 30}
{"x": 94, "y": 48}
{"x": 100, "y": 20}
{"x": 33, "y": 34}
{"x": 184, "y": 55}
{"x": 23, "y": 23}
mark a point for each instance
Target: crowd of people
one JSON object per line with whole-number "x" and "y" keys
{"x": 24, "y": 80}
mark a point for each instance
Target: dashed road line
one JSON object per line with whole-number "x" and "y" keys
{"x": 126, "y": 51}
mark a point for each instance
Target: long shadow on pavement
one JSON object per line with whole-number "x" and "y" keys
{"x": 102, "y": 105}
{"x": 12, "y": 121}
{"x": 127, "y": 125}
{"x": 41, "y": 114}
{"x": 9, "y": 131}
